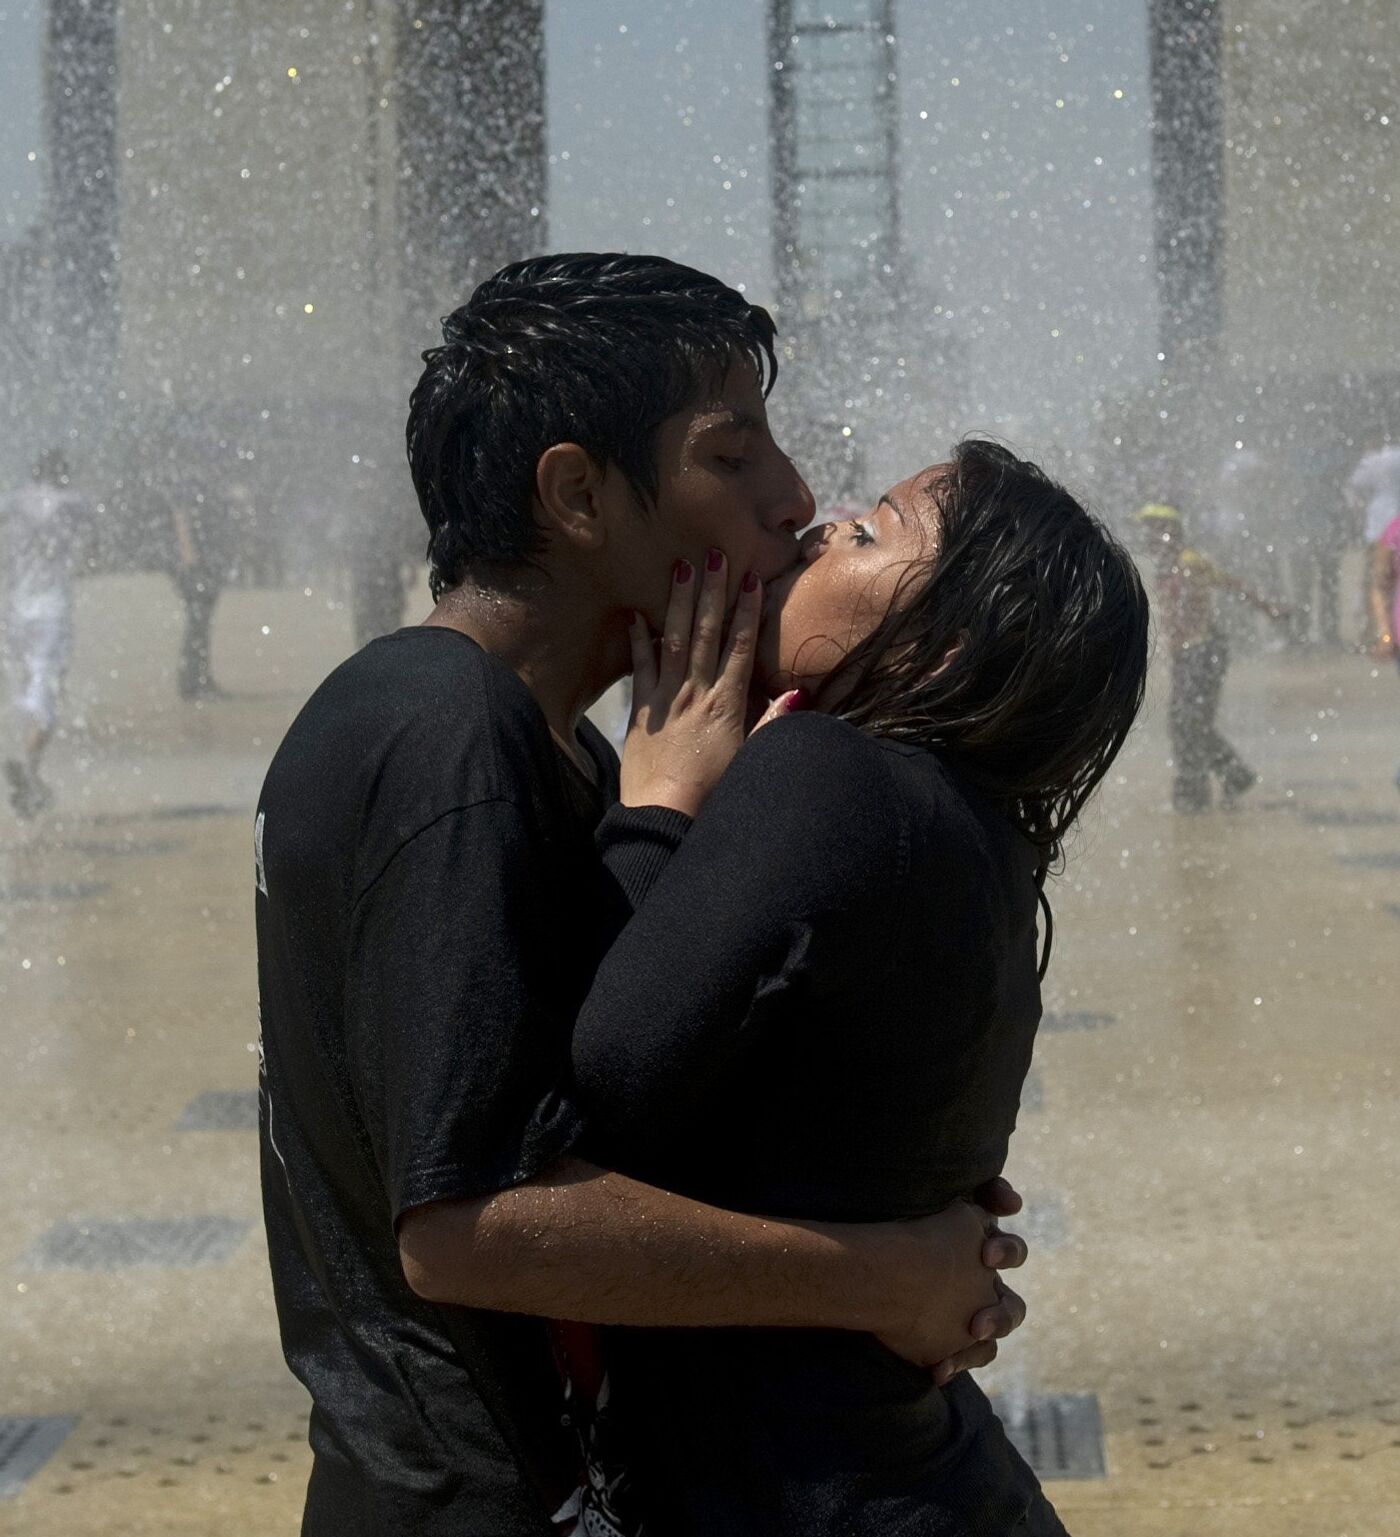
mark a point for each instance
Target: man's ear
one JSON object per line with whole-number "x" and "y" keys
{"x": 568, "y": 495}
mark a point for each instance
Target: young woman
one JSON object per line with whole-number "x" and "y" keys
{"x": 826, "y": 1000}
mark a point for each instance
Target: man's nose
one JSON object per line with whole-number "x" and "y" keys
{"x": 795, "y": 507}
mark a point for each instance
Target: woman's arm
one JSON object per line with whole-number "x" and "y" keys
{"x": 788, "y": 880}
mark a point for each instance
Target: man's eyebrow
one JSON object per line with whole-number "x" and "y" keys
{"x": 731, "y": 418}
{"x": 886, "y": 502}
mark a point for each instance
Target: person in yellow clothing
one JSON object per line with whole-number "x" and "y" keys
{"x": 1187, "y": 582}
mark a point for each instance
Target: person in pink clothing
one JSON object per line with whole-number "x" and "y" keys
{"x": 1383, "y": 592}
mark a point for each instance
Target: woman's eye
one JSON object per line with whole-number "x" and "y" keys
{"x": 860, "y": 533}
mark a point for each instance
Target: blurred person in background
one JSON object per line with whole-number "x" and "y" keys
{"x": 1187, "y": 582}
{"x": 204, "y": 526}
{"x": 1322, "y": 530}
{"x": 1383, "y": 596}
{"x": 1373, "y": 489}
{"x": 1239, "y": 528}
{"x": 43, "y": 526}
{"x": 1374, "y": 486}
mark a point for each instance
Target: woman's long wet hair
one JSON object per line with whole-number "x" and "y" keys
{"x": 1019, "y": 650}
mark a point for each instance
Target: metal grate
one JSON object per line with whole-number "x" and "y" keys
{"x": 25, "y": 1446}
{"x": 1389, "y": 860}
{"x": 1075, "y": 1019}
{"x": 1347, "y": 816}
{"x": 126, "y": 1243}
{"x": 1059, "y": 1434}
{"x": 125, "y": 846}
{"x": 221, "y": 1110}
{"x": 193, "y": 813}
{"x": 53, "y": 891}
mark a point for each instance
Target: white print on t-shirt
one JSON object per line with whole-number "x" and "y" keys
{"x": 266, "y": 1094}
{"x": 258, "y": 853}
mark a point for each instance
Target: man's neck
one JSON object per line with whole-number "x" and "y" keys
{"x": 565, "y": 652}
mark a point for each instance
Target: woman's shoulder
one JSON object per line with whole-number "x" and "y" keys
{"x": 817, "y": 786}
{"x": 810, "y": 753}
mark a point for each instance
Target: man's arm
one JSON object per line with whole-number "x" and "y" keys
{"x": 460, "y": 1096}
{"x": 581, "y": 1243}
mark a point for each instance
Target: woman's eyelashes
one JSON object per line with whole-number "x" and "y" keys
{"x": 860, "y": 532}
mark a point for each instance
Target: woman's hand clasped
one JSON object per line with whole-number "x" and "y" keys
{"x": 690, "y": 692}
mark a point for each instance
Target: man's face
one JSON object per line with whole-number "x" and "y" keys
{"x": 722, "y": 482}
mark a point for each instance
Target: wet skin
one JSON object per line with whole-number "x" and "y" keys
{"x": 845, "y": 579}
{"x": 723, "y": 482}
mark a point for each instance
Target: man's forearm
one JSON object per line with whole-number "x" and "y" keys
{"x": 600, "y": 1248}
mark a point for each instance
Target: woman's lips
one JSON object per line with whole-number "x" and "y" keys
{"x": 777, "y": 589}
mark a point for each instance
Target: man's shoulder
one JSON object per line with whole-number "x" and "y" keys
{"x": 432, "y": 677}
{"x": 423, "y": 717}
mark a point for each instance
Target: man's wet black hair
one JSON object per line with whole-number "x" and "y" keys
{"x": 593, "y": 349}
{"x": 1019, "y": 648}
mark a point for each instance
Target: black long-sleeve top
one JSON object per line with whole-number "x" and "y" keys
{"x": 824, "y": 1008}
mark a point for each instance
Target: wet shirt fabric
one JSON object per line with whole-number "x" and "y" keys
{"x": 824, "y": 1008}
{"x": 428, "y": 895}
{"x": 1187, "y": 603}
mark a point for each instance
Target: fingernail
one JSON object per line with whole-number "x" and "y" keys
{"x": 683, "y": 572}
{"x": 795, "y": 699}
{"x": 714, "y": 560}
{"x": 632, "y": 618}
{"x": 750, "y": 580}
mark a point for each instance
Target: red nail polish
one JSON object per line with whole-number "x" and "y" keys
{"x": 797, "y": 699}
{"x": 714, "y": 560}
{"x": 683, "y": 572}
{"x": 750, "y": 580}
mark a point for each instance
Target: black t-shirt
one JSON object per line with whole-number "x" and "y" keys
{"x": 429, "y": 910}
{"x": 824, "y": 1008}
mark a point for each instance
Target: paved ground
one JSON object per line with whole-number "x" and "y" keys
{"x": 1211, "y": 1156}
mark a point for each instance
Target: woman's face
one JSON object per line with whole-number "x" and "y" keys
{"x": 843, "y": 583}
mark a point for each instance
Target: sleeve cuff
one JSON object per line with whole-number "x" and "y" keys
{"x": 636, "y": 844}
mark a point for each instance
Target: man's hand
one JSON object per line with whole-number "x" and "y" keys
{"x": 958, "y": 1305}
{"x": 1000, "y": 1251}
{"x": 689, "y": 700}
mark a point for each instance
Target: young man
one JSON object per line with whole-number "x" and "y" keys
{"x": 41, "y": 527}
{"x": 430, "y": 910}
